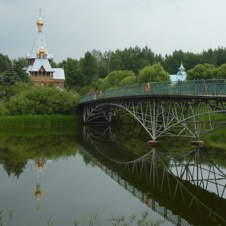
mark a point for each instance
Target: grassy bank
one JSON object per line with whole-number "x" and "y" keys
{"x": 42, "y": 121}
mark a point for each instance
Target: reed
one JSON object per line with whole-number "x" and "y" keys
{"x": 93, "y": 220}
{"x": 44, "y": 121}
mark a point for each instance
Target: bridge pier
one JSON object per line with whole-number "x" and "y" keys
{"x": 153, "y": 143}
{"x": 197, "y": 142}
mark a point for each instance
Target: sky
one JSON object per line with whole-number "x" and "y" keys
{"x": 73, "y": 27}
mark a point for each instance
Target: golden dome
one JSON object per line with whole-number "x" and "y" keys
{"x": 38, "y": 192}
{"x": 41, "y": 50}
{"x": 40, "y": 23}
{"x": 41, "y": 54}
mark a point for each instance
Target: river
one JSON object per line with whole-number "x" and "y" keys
{"x": 105, "y": 176}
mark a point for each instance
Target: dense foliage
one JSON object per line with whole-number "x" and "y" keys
{"x": 26, "y": 144}
{"x": 95, "y": 68}
{"x": 153, "y": 73}
{"x": 98, "y": 71}
{"x": 26, "y": 99}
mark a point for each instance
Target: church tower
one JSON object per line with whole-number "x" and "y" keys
{"x": 181, "y": 69}
{"x": 39, "y": 62}
{"x": 180, "y": 76}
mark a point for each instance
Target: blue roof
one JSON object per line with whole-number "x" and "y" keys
{"x": 181, "y": 68}
{"x": 179, "y": 76}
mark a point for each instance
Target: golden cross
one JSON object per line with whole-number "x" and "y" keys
{"x": 40, "y": 12}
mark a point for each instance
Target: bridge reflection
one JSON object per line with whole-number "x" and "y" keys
{"x": 185, "y": 188}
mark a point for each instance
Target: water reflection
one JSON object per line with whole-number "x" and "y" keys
{"x": 38, "y": 168}
{"x": 186, "y": 187}
{"x": 31, "y": 150}
{"x": 196, "y": 167}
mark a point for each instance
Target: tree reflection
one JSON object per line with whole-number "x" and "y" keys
{"x": 11, "y": 163}
{"x": 17, "y": 148}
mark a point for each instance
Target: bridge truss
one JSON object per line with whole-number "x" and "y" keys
{"x": 184, "y": 117}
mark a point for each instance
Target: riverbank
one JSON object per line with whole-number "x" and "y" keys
{"x": 38, "y": 121}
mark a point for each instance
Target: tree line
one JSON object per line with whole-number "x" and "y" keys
{"x": 97, "y": 70}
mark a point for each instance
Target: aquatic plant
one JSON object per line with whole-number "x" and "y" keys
{"x": 94, "y": 221}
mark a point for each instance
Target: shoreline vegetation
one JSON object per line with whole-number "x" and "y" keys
{"x": 92, "y": 220}
{"x": 37, "y": 121}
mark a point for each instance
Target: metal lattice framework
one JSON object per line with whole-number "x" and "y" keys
{"x": 184, "y": 117}
{"x": 196, "y": 167}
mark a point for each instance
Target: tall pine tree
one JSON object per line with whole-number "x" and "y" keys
{"x": 10, "y": 77}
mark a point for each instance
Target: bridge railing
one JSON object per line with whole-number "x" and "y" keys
{"x": 191, "y": 87}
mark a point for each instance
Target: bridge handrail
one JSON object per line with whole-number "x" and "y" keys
{"x": 211, "y": 87}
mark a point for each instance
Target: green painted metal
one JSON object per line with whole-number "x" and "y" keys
{"x": 213, "y": 87}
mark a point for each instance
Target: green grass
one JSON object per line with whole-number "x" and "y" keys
{"x": 44, "y": 121}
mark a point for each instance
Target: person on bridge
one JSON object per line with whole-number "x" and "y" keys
{"x": 205, "y": 89}
{"x": 147, "y": 87}
{"x": 101, "y": 94}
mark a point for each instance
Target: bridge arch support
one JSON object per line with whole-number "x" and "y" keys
{"x": 162, "y": 117}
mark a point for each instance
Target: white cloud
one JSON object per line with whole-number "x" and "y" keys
{"x": 73, "y": 27}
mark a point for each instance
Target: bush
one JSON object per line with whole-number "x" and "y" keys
{"x": 39, "y": 100}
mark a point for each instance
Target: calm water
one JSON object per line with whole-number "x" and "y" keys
{"x": 61, "y": 178}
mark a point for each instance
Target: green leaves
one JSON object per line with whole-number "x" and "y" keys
{"x": 201, "y": 71}
{"x": 32, "y": 100}
{"x": 10, "y": 77}
{"x": 4, "y": 62}
{"x": 221, "y": 72}
{"x": 153, "y": 73}
{"x": 117, "y": 78}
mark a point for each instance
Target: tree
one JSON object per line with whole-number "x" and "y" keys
{"x": 148, "y": 57}
{"x": 88, "y": 66}
{"x": 201, "y": 71}
{"x": 42, "y": 100}
{"x": 221, "y": 72}
{"x": 128, "y": 81}
{"x": 172, "y": 62}
{"x": 72, "y": 72}
{"x": 115, "y": 78}
{"x": 106, "y": 61}
{"x": 10, "y": 77}
{"x": 220, "y": 56}
{"x": 19, "y": 67}
{"x": 102, "y": 69}
{"x": 131, "y": 59}
{"x": 116, "y": 63}
{"x": 209, "y": 57}
{"x": 153, "y": 73}
{"x": 4, "y": 62}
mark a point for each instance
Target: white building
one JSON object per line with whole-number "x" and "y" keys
{"x": 39, "y": 67}
{"x": 181, "y": 74}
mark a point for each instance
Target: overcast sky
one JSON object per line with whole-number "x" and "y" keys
{"x": 73, "y": 27}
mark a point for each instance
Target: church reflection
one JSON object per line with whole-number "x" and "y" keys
{"x": 186, "y": 187}
{"x": 38, "y": 168}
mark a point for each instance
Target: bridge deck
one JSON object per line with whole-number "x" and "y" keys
{"x": 204, "y": 89}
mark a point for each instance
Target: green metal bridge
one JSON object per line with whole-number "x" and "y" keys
{"x": 187, "y": 109}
